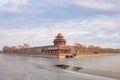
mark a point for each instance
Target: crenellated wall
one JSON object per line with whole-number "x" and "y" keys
{"x": 43, "y": 50}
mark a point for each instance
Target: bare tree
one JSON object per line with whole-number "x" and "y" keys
{"x": 6, "y": 49}
{"x": 91, "y": 49}
{"x": 26, "y": 45}
{"x": 20, "y": 47}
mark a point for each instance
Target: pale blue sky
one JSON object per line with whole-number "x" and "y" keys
{"x": 36, "y": 22}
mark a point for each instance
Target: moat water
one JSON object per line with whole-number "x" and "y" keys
{"x": 14, "y": 67}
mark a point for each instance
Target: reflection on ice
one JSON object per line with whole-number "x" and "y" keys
{"x": 62, "y": 66}
{"x": 32, "y": 68}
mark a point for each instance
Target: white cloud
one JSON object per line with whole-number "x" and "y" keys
{"x": 115, "y": 35}
{"x": 18, "y": 2}
{"x": 2, "y": 2}
{"x": 97, "y": 4}
{"x": 40, "y": 6}
{"x": 13, "y": 5}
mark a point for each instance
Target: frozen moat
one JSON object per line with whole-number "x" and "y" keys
{"x": 34, "y": 68}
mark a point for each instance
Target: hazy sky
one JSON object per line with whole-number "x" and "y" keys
{"x": 36, "y": 22}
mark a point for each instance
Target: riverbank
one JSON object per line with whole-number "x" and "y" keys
{"x": 78, "y": 56}
{"x": 97, "y": 55}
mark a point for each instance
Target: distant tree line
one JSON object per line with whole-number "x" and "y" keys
{"x": 83, "y": 49}
{"x": 10, "y": 49}
{"x": 78, "y": 49}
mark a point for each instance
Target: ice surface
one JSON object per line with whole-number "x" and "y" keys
{"x": 33, "y": 68}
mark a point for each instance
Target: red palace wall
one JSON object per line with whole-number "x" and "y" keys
{"x": 59, "y": 51}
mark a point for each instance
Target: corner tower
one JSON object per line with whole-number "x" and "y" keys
{"x": 59, "y": 40}
{"x": 59, "y": 49}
